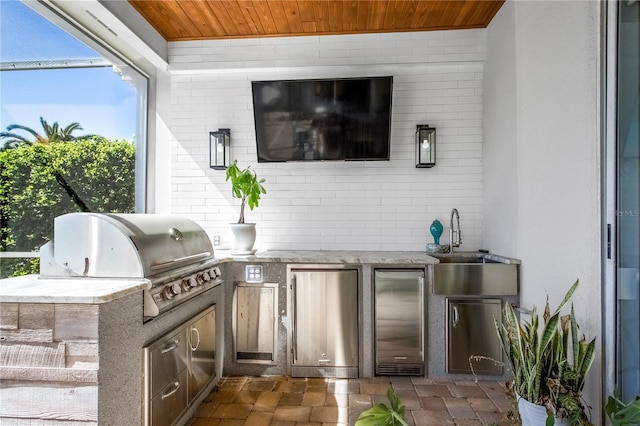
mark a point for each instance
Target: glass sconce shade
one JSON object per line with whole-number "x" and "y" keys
{"x": 425, "y": 146}
{"x": 219, "y": 152}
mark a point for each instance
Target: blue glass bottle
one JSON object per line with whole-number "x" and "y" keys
{"x": 436, "y": 231}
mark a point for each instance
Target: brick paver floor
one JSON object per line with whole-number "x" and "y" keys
{"x": 286, "y": 401}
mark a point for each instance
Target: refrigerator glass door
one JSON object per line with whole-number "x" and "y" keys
{"x": 399, "y": 322}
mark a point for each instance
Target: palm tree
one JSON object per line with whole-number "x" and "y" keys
{"x": 52, "y": 133}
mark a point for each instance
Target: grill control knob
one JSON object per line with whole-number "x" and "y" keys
{"x": 214, "y": 272}
{"x": 206, "y": 277}
{"x": 185, "y": 285}
{"x": 166, "y": 294}
{"x": 171, "y": 290}
{"x": 193, "y": 282}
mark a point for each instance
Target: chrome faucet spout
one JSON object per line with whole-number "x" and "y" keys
{"x": 458, "y": 235}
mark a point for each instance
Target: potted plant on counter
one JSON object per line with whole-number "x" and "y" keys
{"x": 246, "y": 186}
{"x": 549, "y": 363}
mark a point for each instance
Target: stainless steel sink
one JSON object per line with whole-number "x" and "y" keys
{"x": 465, "y": 259}
{"x": 473, "y": 257}
{"x": 475, "y": 274}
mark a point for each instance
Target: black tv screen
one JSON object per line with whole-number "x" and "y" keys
{"x": 328, "y": 119}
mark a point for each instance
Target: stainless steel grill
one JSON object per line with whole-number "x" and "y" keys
{"x": 172, "y": 252}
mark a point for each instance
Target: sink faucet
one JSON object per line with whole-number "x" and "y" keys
{"x": 458, "y": 234}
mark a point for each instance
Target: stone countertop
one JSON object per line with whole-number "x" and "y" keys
{"x": 478, "y": 254}
{"x": 33, "y": 289}
{"x": 328, "y": 257}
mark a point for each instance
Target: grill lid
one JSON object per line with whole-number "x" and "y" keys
{"x": 107, "y": 245}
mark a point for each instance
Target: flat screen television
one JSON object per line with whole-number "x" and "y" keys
{"x": 319, "y": 120}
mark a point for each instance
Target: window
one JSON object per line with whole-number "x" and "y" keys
{"x": 628, "y": 200}
{"x": 73, "y": 135}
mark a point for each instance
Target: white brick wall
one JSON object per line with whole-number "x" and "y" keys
{"x": 386, "y": 205}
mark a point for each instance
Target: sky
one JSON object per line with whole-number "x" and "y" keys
{"x": 96, "y": 98}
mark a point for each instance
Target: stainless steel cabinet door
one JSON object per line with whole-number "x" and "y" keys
{"x": 202, "y": 341}
{"x": 255, "y": 322}
{"x": 472, "y": 331}
{"x": 399, "y": 316}
{"x": 325, "y": 318}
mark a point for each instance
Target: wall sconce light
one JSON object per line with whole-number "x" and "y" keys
{"x": 425, "y": 146}
{"x": 219, "y": 144}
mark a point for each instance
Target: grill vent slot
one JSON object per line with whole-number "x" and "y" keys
{"x": 312, "y": 371}
{"x": 256, "y": 356}
{"x": 400, "y": 369}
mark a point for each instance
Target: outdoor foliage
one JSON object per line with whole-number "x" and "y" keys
{"x": 41, "y": 181}
{"x": 621, "y": 414}
{"x": 52, "y": 133}
{"x": 550, "y": 360}
{"x": 383, "y": 415}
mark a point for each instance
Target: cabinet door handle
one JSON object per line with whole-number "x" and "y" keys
{"x": 421, "y": 292}
{"x": 174, "y": 345}
{"x": 456, "y": 317}
{"x": 193, "y": 349}
{"x": 176, "y": 386}
{"x": 521, "y": 310}
{"x": 294, "y": 338}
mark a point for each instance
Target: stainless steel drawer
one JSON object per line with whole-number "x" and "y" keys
{"x": 167, "y": 406}
{"x": 168, "y": 358}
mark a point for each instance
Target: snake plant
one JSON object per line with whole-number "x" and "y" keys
{"x": 621, "y": 414}
{"x": 549, "y": 360}
{"x": 382, "y": 415}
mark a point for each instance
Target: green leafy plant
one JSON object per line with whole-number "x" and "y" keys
{"x": 382, "y": 415}
{"x": 246, "y": 186}
{"x": 549, "y": 361}
{"x": 621, "y": 414}
{"x": 39, "y": 182}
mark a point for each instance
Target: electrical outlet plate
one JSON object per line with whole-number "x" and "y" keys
{"x": 253, "y": 274}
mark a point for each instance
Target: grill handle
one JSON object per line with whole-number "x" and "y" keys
{"x": 174, "y": 263}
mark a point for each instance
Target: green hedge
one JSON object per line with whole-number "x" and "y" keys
{"x": 42, "y": 181}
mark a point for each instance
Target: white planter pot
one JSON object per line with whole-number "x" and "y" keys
{"x": 244, "y": 236}
{"x": 536, "y": 415}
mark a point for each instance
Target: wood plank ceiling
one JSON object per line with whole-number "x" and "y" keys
{"x": 179, "y": 20}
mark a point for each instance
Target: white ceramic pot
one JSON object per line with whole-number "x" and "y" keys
{"x": 244, "y": 237}
{"x": 536, "y": 415}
